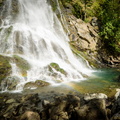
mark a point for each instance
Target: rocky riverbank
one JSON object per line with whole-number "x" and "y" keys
{"x": 59, "y": 106}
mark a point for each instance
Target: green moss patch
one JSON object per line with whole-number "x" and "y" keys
{"x": 57, "y": 68}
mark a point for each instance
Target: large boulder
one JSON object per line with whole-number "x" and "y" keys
{"x": 29, "y": 115}
{"x": 94, "y": 110}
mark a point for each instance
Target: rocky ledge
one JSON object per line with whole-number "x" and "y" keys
{"x": 59, "y": 106}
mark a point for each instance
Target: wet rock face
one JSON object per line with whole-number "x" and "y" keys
{"x": 84, "y": 38}
{"x": 13, "y": 11}
{"x": 10, "y": 83}
{"x": 56, "y": 107}
{"x": 5, "y": 68}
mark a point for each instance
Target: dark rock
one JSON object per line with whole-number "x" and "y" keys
{"x": 74, "y": 100}
{"x": 94, "y": 21}
{"x": 118, "y": 78}
{"x": 59, "y": 107}
{"x": 116, "y": 106}
{"x": 116, "y": 116}
{"x": 94, "y": 110}
{"x": 58, "y": 112}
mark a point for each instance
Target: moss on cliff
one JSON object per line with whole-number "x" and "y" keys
{"x": 5, "y": 67}
{"x": 92, "y": 62}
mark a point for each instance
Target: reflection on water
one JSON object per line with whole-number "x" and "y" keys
{"x": 104, "y": 81}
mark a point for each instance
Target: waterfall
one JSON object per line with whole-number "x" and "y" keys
{"x": 35, "y": 34}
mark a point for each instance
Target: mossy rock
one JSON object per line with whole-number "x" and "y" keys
{"x": 22, "y": 64}
{"x": 5, "y": 67}
{"x": 36, "y": 84}
{"x": 57, "y": 68}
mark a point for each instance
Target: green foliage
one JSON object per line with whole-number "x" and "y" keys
{"x": 109, "y": 17}
{"x": 78, "y": 11}
{"x": 108, "y": 14}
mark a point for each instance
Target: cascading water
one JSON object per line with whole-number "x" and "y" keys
{"x": 36, "y": 35}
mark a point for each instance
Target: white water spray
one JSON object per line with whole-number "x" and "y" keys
{"x": 36, "y": 35}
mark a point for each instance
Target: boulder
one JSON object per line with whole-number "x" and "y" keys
{"x": 94, "y": 110}
{"x": 95, "y": 96}
{"x": 36, "y": 84}
{"x": 58, "y": 112}
{"x": 29, "y": 115}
